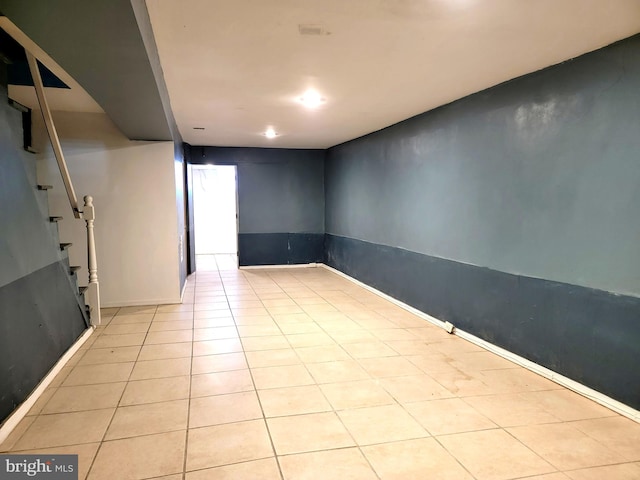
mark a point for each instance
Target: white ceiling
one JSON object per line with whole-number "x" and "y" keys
{"x": 237, "y": 67}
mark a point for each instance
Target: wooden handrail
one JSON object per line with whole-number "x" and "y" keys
{"x": 53, "y": 134}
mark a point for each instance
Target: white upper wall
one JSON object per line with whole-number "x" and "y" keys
{"x": 134, "y": 189}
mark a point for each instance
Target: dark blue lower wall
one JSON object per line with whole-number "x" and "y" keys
{"x": 280, "y": 248}
{"x": 588, "y": 335}
{"x": 41, "y": 320}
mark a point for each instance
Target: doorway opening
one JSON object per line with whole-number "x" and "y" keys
{"x": 215, "y": 214}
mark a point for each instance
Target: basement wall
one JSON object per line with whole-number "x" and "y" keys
{"x": 280, "y": 202}
{"x": 511, "y": 213}
{"x": 138, "y": 219}
{"x": 40, "y": 315}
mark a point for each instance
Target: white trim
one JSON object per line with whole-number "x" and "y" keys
{"x": 583, "y": 390}
{"x": 18, "y": 414}
{"x": 142, "y": 303}
{"x": 271, "y": 267}
{"x": 184, "y": 289}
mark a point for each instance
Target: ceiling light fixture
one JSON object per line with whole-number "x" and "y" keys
{"x": 270, "y": 133}
{"x": 312, "y": 99}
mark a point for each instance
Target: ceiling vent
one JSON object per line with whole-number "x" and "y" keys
{"x": 312, "y": 29}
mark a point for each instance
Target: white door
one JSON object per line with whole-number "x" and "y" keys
{"x": 215, "y": 209}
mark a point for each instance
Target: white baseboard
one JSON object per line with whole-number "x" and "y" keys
{"x": 272, "y": 267}
{"x": 19, "y": 413}
{"x": 143, "y": 303}
{"x": 583, "y": 390}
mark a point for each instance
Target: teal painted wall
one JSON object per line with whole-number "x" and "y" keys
{"x": 539, "y": 176}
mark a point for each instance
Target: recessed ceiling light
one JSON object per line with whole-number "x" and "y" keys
{"x": 312, "y": 99}
{"x": 270, "y": 133}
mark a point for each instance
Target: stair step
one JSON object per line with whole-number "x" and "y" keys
{"x": 82, "y": 290}
{"x": 74, "y": 268}
{"x": 45, "y": 187}
{"x": 64, "y": 246}
{"x": 55, "y": 219}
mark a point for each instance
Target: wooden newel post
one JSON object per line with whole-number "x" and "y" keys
{"x": 93, "y": 290}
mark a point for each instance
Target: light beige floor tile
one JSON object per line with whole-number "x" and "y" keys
{"x": 140, "y": 457}
{"x": 84, "y": 397}
{"x": 625, "y": 471}
{"x": 306, "y": 433}
{"x": 362, "y": 393}
{"x": 347, "y": 463}
{"x": 271, "y": 342}
{"x": 220, "y": 383}
{"x": 126, "y": 328}
{"x": 218, "y": 409}
{"x": 617, "y": 433}
{"x": 281, "y": 376}
{"x": 338, "y": 371}
{"x": 389, "y": 367}
{"x": 565, "y": 447}
{"x": 16, "y": 434}
{"x": 62, "y": 429}
{"x": 511, "y": 409}
{"x": 368, "y": 350}
{"x": 410, "y": 347}
{"x": 214, "y": 333}
{"x": 166, "y": 350}
{"x": 209, "y": 307}
{"x": 293, "y": 401}
{"x": 451, "y": 415}
{"x": 222, "y": 362}
{"x": 104, "y": 373}
{"x": 272, "y": 358}
{"x": 177, "y": 336}
{"x": 214, "y": 347}
{"x": 470, "y": 361}
{"x": 126, "y": 319}
{"x": 142, "y": 309}
{"x": 42, "y": 401}
{"x": 108, "y": 341}
{"x": 259, "y": 330}
{"x": 172, "y": 367}
{"x": 414, "y": 388}
{"x": 264, "y": 469}
{"x": 513, "y": 380}
{"x": 494, "y": 455}
{"x": 213, "y": 322}
{"x": 253, "y": 320}
{"x": 388, "y": 423}
{"x": 568, "y": 406}
{"x": 323, "y": 353}
{"x": 353, "y": 336}
{"x": 170, "y": 326}
{"x": 148, "y": 419}
{"x": 205, "y": 314}
{"x": 309, "y": 340}
{"x": 293, "y": 319}
{"x": 173, "y": 316}
{"x": 86, "y": 453}
{"x": 548, "y": 476}
{"x": 96, "y": 356}
{"x": 179, "y": 307}
{"x": 229, "y": 443}
{"x": 389, "y": 334}
{"x": 414, "y": 460}
{"x": 155, "y": 390}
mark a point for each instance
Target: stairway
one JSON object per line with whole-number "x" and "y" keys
{"x": 72, "y": 270}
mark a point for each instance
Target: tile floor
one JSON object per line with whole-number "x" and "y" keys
{"x": 301, "y": 374}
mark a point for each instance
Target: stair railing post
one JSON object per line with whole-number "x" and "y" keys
{"x": 93, "y": 290}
